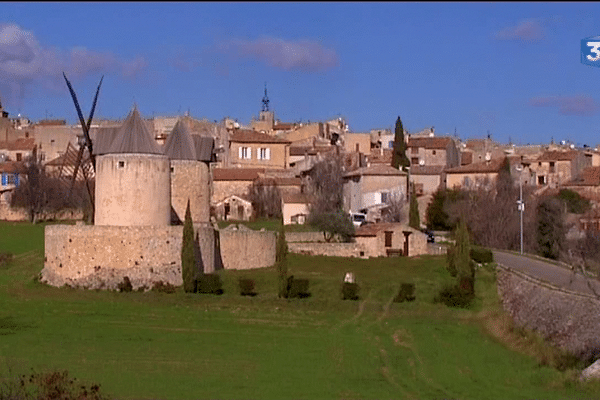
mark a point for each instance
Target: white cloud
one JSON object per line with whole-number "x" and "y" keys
{"x": 527, "y": 30}
{"x": 24, "y": 61}
{"x": 303, "y": 55}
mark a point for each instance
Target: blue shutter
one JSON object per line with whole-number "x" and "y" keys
{"x": 4, "y": 179}
{"x": 16, "y": 179}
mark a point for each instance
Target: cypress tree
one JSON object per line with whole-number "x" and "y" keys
{"x": 281, "y": 262}
{"x": 399, "y": 158}
{"x": 188, "y": 253}
{"x": 414, "y": 221}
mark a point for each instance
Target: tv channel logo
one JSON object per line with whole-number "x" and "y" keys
{"x": 590, "y": 51}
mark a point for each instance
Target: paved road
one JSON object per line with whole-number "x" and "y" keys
{"x": 548, "y": 272}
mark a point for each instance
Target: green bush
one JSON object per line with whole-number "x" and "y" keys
{"x": 406, "y": 293}
{"x": 163, "y": 287}
{"x": 298, "y": 288}
{"x": 208, "y": 284}
{"x": 457, "y": 296}
{"x": 481, "y": 255}
{"x": 350, "y": 291}
{"x": 125, "y": 285}
{"x": 247, "y": 287}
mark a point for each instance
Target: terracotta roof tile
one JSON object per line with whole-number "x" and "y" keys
{"x": 494, "y": 165}
{"x": 12, "y": 167}
{"x": 295, "y": 198}
{"x": 248, "y": 136}
{"x": 376, "y": 169}
{"x": 237, "y": 174}
{"x": 25, "y": 144}
{"x": 430, "y": 142}
{"x": 555, "y": 155}
{"x": 427, "y": 169}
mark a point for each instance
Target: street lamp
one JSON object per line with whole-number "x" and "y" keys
{"x": 520, "y": 203}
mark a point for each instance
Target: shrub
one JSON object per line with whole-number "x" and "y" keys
{"x": 5, "y": 258}
{"x": 298, "y": 288}
{"x": 406, "y": 293}
{"x": 55, "y": 385}
{"x": 455, "y": 296}
{"x": 481, "y": 255}
{"x": 350, "y": 291}
{"x": 125, "y": 285}
{"x": 208, "y": 284}
{"x": 163, "y": 287}
{"x": 247, "y": 287}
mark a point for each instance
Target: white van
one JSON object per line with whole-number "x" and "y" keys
{"x": 358, "y": 219}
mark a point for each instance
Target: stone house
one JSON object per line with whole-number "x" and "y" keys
{"x": 236, "y": 208}
{"x": 387, "y": 239}
{"x": 17, "y": 150}
{"x": 232, "y": 181}
{"x": 294, "y": 208}
{"x": 433, "y": 151}
{"x": 474, "y": 176}
{"x": 10, "y": 177}
{"x": 427, "y": 178}
{"x": 587, "y": 184}
{"x": 357, "y": 142}
{"x": 374, "y": 185}
{"x": 250, "y": 149}
{"x": 554, "y": 167}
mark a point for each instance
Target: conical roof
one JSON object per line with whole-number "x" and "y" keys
{"x": 179, "y": 144}
{"x": 134, "y": 137}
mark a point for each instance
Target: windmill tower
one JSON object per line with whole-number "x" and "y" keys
{"x": 133, "y": 186}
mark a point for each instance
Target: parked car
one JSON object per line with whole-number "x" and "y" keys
{"x": 430, "y": 237}
{"x": 358, "y": 219}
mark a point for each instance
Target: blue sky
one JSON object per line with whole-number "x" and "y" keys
{"x": 512, "y": 69}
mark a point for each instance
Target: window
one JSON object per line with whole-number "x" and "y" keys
{"x": 19, "y": 156}
{"x": 391, "y": 144}
{"x": 541, "y": 180}
{"x": 263, "y": 153}
{"x": 385, "y": 197}
{"x": 245, "y": 153}
{"x": 121, "y": 164}
{"x": 414, "y": 161}
{"x": 388, "y": 238}
{"x": 552, "y": 166}
{"x": 433, "y": 152}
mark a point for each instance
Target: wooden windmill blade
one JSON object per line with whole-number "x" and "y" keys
{"x": 85, "y": 126}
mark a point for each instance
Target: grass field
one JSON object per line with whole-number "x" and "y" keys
{"x": 184, "y": 346}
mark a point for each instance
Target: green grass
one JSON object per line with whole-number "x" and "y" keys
{"x": 184, "y": 346}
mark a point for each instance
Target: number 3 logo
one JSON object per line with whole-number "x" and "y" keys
{"x": 595, "y": 49}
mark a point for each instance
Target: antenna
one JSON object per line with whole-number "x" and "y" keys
{"x": 265, "y": 100}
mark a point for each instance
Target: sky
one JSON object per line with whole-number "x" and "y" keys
{"x": 511, "y": 70}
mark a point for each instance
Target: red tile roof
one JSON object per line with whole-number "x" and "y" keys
{"x": 24, "y": 144}
{"x": 12, "y": 167}
{"x": 555, "y": 155}
{"x": 295, "y": 198}
{"x": 248, "y": 136}
{"x": 237, "y": 174}
{"x": 376, "y": 169}
{"x": 426, "y": 169}
{"x": 494, "y": 165}
{"x": 430, "y": 142}
{"x": 590, "y": 176}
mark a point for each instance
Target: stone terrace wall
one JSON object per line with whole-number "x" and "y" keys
{"x": 327, "y": 249}
{"x": 247, "y": 249}
{"x": 566, "y": 319}
{"x": 99, "y": 257}
{"x": 292, "y": 237}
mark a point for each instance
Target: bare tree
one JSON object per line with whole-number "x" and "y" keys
{"x": 266, "y": 198}
{"x": 395, "y": 210}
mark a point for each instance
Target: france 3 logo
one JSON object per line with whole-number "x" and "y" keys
{"x": 590, "y": 51}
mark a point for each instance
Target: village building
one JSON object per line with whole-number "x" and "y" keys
{"x": 233, "y": 181}
{"x": 18, "y": 150}
{"x": 389, "y": 239}
{"x": 357, "y": 142}
{"x": 233, "y": 208}
{"x": 586, "y": 184}
{"x": 479, "y": 175}
{"x": 251, "y": 149}
{"x": 427, "y": 179}
{"x": 295, "y": 208}
{"x": 373, "y": 187}
{"x": 555, "y": 167}
{"x": 433, "y": 151}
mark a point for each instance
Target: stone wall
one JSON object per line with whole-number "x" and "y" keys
{"x": 566, "y": 319}
{"x": 243, "y": 248}
{"x": 99, "y": 257}
{"x": 328, "y": 249}
{"x": 292, "y": 237}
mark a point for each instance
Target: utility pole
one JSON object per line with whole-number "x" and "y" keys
{"x": 520, "y": 203}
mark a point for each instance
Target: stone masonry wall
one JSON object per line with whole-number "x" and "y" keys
{"x": 328, "y": 249}
{"x": 247, "y": 249}
{"x": 566, "y": 319}
{"x": 99, "y": 257}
